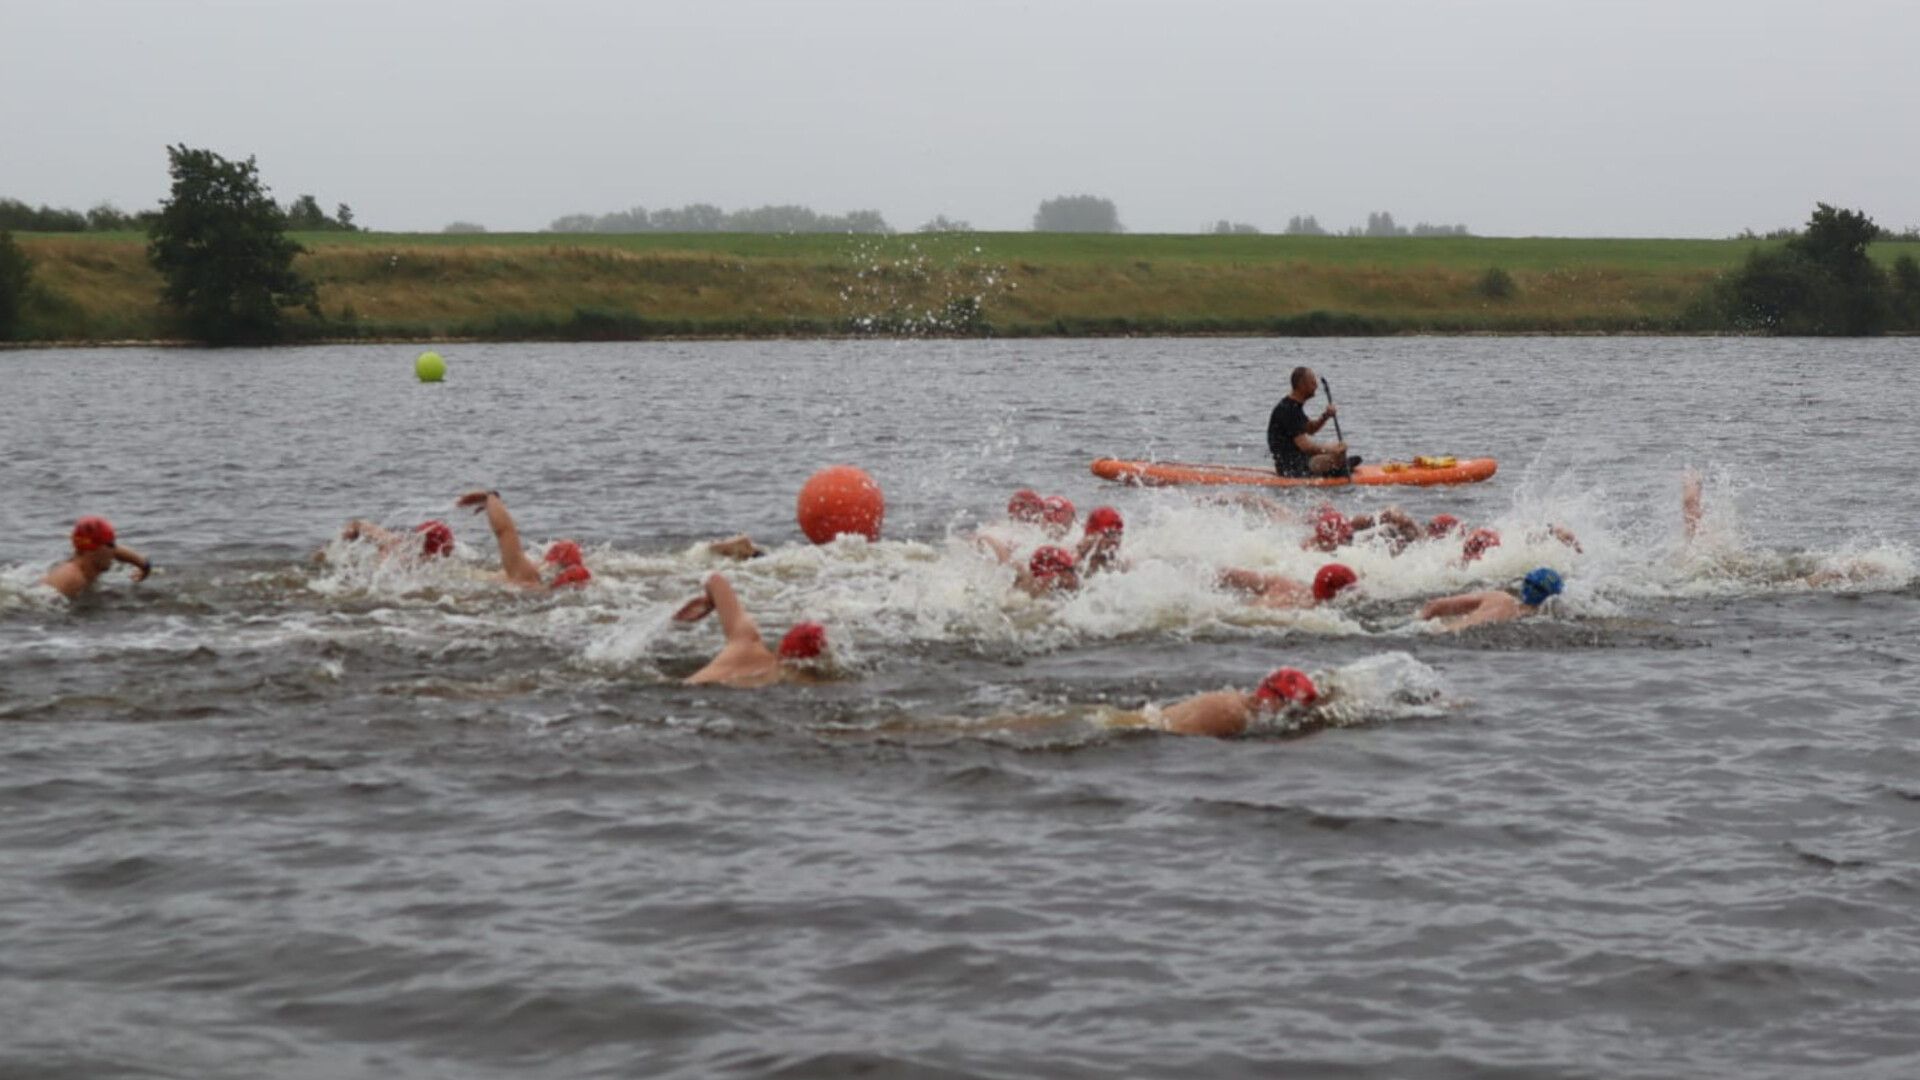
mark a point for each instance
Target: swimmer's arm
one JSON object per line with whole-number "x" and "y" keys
{"x": 1218, "y": 714}
{"x": 142, "y": 566}
{"x": 1690, "y": 504}
{"x": 719, "y": 598}
{"x": 359, "y": 528}
{"x": 1449, "y": 607}
{"x": 737, "y": 547}
{"x": 1000, "y": 548}
{"x": 513, "y": 556}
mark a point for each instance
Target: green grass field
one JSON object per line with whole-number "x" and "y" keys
{"x": 97, "y": 286}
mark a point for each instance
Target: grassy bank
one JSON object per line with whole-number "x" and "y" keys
{"x": 98, "y": 287}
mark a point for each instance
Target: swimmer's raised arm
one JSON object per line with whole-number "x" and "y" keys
{"x": 719, "y": 597}
{"x": 513, "y": 557}
{"x": 1690, "y": 504}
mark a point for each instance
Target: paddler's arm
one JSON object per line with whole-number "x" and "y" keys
{"x": 1314, "y": 426}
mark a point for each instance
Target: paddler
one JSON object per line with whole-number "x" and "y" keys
{"x": 1295, "y": 453}
{"x": 514, "y": 564}
{"x": 745, "y": 661}
{"x": 95, "y": 550}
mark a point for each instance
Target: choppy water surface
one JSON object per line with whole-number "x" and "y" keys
{"x": 261, "y": 816}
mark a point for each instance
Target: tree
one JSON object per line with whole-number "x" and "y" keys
{"x": 220, "y": 244}
{"x": 943, "y": 223}
{"x": 16, "y": 273}
{"x": 343, "y": 218}
{"x": 1077, "y": 213}
{"x": 464, "y": 227}
{"x": 1304, "y": 226}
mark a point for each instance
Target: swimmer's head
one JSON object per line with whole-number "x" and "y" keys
{"x": 1105, "y": 519}
{"x": 1478, "y": 543}
{"x": 1057, "y": 514}
{"x": 1052, "y": 568}
{"x": 1441, "y": 525}
{"x": 1331, "y": 529}
{"x": 564, "y": 552}
{"x": 92, "y": 533}
{"x": 1286, "y": 686}
{"x": 1027, "y": 506}
{"x": 1331, "y": 579}
{"x": 1539, "y": 585}
{"x": 436, "y": 539}
{"x": 571, "y": 576}
{"x": 805, "y": 641}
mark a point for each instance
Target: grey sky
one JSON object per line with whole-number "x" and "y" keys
{"x": 1517, "y": 117}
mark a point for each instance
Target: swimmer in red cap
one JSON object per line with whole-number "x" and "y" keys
{"x": 1100, "y": 546}
{"x": 1441, "y": 525}
{"x": 1027, "y": 507}
{"x": 1478, "y": 543}
{"x": 1330, "y": 530}
{"x": 1050, "y": 570}
{"x": 515, "y": 566}
{"x": 429, "y": 539}
{"x": 1057, "y": 515}
{"x": 1225, "y": 713}
{"x": 1281, "y": 591}
{"x": 95, "y": 550}
{"x": 745, "y": 661}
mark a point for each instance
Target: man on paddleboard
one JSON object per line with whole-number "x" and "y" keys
{"x": 1289, "y": 431}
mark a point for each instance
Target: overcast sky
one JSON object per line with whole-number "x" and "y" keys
{"x": 1515, "y": 117}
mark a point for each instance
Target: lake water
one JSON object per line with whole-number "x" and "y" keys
{"x": 266, "y": 817}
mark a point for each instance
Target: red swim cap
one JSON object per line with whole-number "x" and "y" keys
{"x": 1026, "y": 505}
{"x": 92, "y": 532}
{"x": 804, "y": 642}
{"x": 564, "y": 552}
{"x": 1286, "y": 685}
{"x": 1331, "y": 579}
{"x": 1441, "y": 525}
{"x": 1331, "y": 529}
{"x": 1479, "y": 542}
{"x": 1105, "y": 519}
{"x": 572, "y": 575}
{"x": 436, "y": 540}
{"x": 1050, "y": 561}
{"x": 1058, "y": 511}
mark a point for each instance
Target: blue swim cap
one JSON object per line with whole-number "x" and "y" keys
{"x": 1539, "y": 585}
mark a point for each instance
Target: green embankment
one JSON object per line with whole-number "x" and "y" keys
{"x": 98, "y": 286}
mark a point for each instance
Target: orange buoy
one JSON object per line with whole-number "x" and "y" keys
{"x": 840, "y": 499}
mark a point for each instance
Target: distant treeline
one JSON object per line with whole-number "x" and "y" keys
{"x": 1378, "y": 224}
{"x": 707, "y": 218}
{"x": 303, "y": 215}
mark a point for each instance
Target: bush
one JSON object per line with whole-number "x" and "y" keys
{"x": 1820, "y": 282}
{"x": 1495, "y": 284}
{"x": 16, "y": 274}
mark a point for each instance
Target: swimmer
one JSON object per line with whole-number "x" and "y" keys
{"x": 1225, "y": 713}
{"x": 1692, "y": 511}
{"x": 1331, "y": 529}
{"x": 435, "y": 539}
{"x": 1026, "y": 507}
{"x": 1283, "y": 592}
{"x": 1050, "y": 570}
{"x": 95, "y": 550}
{"x": 1100, "y": 547}
{"x": 515, "y": 567}
{"x": 1457, "y": 613}
{"x": 1391, "y": 523}
{"x": 745, "y": 661}
{"x": 739, "y": 547}
{"x": 1057, "y": 515}
{"x": 1477, "y": 544}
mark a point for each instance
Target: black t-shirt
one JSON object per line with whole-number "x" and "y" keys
{"x": 1288, "y": 422}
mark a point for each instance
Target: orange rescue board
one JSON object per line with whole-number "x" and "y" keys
{"x": 1170, "y": 473}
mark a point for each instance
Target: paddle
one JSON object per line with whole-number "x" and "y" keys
{"x": 1327, "y": 388}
